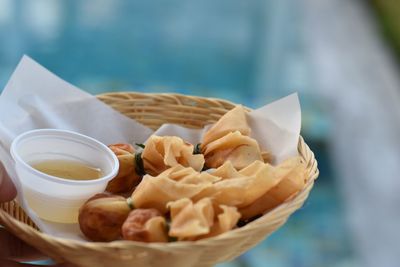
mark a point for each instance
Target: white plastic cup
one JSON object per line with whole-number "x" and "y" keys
{"x": 52, "y": 198}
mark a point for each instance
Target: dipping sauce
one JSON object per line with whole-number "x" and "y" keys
{"x": 66, "y": 169}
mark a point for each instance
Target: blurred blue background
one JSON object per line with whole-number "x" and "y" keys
{"x": 250, "y": 52}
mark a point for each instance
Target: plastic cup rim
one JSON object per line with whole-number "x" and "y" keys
{"x": 57, "y": 132}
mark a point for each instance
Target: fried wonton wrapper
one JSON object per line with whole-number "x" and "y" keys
{"x": 101, "y": 217}
{"x": 193, "y": 221}
{"x": 241, "y": 150}
{"x": 126, "y": 178}
{"x": 226, "y": 220}
{"x": 189, "y": 220}
{"x": 173, "y": 184}
{"x": 145, "y": 225}
{"x": 160, "y": 153}
{"x": 228, "y": 139}
{"x": 292, "y": 175}
{"x": 267, "y": 156}
{"x": 241, "y": 188}
{"x": 233, "y": 120}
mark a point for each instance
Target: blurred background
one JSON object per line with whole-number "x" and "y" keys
{"x": 340, "y": 55}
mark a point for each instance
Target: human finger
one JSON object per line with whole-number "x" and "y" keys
{"x": 15, "y": 249}
{"x": 7, "y": 188}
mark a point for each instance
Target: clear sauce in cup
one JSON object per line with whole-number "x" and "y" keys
{"x": 68, "y": 169}
{"x": 44, "y": 156}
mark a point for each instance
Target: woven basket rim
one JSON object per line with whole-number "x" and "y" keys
{"x": 174, "y": 96}
{"x": 166, "y": 94}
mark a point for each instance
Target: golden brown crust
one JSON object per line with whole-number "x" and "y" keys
{"x": 145, "y": 225}
{"x": 101, "y": 217}
{"x": 122, "y": 148}
{"x": 127, "y": 178}
{"x": 292, "y": 178}
{"x": 163, "y": 152}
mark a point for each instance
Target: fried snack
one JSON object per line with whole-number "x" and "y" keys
{"x": 226, "y": 171}
{"x": 173, "y": 184}
{"x": 234, "y": 120}
{"x": 241, "y": 150}
{"x": 121, "y": 149}
{"x": 127, "y": 177}
{"x": 225, "y": 221}
{"x": 193, "y": 221}
{"x": 292, "y": 176}
{"x": 228, "y": 140}
{"x": 101, "y": 217}
{"x": 240, "y": 188}
{"x": 145, "y": 225}
{"x": 161, "y": 153}
{"x": 267, "y": 156}
{"x": 189, "y": 220}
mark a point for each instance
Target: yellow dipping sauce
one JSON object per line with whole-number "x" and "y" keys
{"x": 67, "y": 169}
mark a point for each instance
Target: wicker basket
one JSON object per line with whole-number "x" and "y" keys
{"x": 153, "y": 110}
